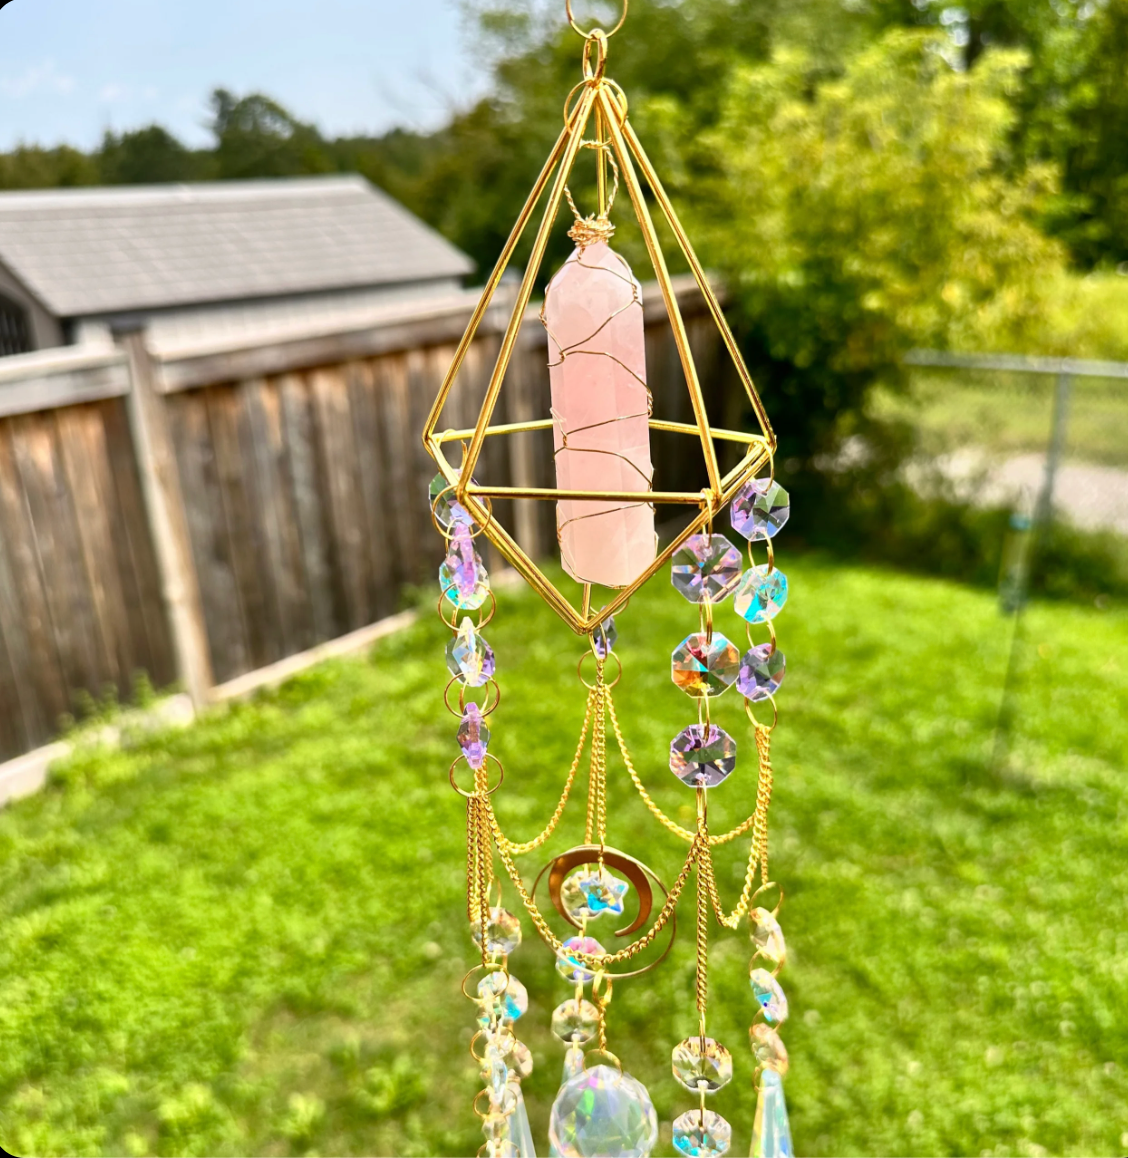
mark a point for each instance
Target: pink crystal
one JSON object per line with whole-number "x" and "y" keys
{"x": 600, "y": 407}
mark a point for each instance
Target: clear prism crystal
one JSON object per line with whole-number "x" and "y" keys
{"x": 771, "y": 1131}
{"x": 695, "y": 1066}
{"x": 588, "y": 893}
{"x": 575, "y": 1021}
{"x": 520, "y": 1132}
{"x": 503, "y": 999}
{"x": 448, "y": 511}
{"x": 602, "y": 1113}
{"x": 473, "y": 736}
{"x": 767, "y": 937}
{"x": 470, "y": 657}
{"x": 768, "y": 1048}
{"x": 769, "y": 993}
{"x": 462, "y": 576}
{"x": 503, "y": 932}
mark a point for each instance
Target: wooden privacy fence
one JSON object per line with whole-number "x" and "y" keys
{"x": 199, "y": 514}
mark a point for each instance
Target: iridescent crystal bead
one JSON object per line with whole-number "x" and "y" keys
{"x": 704, "y": 667}
{"x": 701, "y": 1134}
{"x": 771, "y": 1131}
{"x": 448, "y": 510}
{"x": 589, "y": 893}
{"x": 705, "y": 567}
{"x": 496, "y": 1074}
{"x": 495, "y": 1126}
{"x": 518, "y": 1058}
{"x": 575, "y": 1021}
{"x": 768, "y": 1048}
{"x": 767, "y": 991}
{"x": 602, "y": 1113}
{"x": 761, "y": 672}
{"x": 759, "y": 509}
{"x": 473, "y": 736}
{"x": 502, "y": 997}
{"x": 761, "y": 593}
{"x": 604, "y": 637}
{"x": 462, "y": 576}
{"x": 693, "y": 1065}
{"x": 469, "y": 656}
{"x": 767, "y": 937}
{"x": 702, "y": 755}
{"x": 570, "y": 967}
{"x": 503, "y": 932}
{"x": 520, "y": 1132}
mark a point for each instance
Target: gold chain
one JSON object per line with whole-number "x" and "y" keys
{"x": 704, "y": 876}
{"x": 647, "y": 799}
{"x": 554, "y": 820}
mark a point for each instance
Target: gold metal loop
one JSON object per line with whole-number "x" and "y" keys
{"x": 769, "y": 548}
{"x": 485, "y": 970}
{"x": 706, "y": 621}
{"x": 508, "y": 1103}
{"x": 491, "y": 685}
{"x": 752, "y": 903}
{"x": 603, "y": 998}
{"x": 489, "y": 791}
{"x": 504, "y": 1032}
{"x": 476, "y": 528}
{"x": 770, "y": 625}
{"x": 499, "y": 1148}
{"x": 751, "y": 714}
{"x": 599, "y": 37}
{"x": 483, "y": 616}
{"x": 601, "y": 1057}
{"x": 618, "y": 97}
{"x": 587, "y": 35}
{"x": 610, "y": 655}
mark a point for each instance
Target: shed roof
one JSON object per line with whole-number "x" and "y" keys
{"x": 108, "y": 250}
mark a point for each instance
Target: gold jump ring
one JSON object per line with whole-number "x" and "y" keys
{"x": 585, "y": 35}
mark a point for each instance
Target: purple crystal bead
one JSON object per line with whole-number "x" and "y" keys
{"x": 705, "y": 567}
{"x": 760, "y": 508}
{"x": 469, "y": 657}
{"x": 761, "y": 672}
{"x": 473, "y": 736}
{"x": 702, "y": 755}
{"x": 704, "y": 667}
{"x": 464, "y": 580}
{"x": 604, "y": 637}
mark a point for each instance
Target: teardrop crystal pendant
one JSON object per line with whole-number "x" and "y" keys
{"x": 771, "y": 1133}
{"x": 600, "y": 415}
{"x": 520, "y": 1132}
{"x": 602, "y": 1113}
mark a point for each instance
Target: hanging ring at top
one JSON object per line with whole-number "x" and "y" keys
{"x": 598, "y": 37}
{"x": 577, "y": 28}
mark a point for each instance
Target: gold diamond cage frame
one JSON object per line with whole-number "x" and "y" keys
{"x": 599, "y": 98}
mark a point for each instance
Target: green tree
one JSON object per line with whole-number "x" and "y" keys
{"x": 148, "y": 155}
{"x": 34, "y": 167}
{"x": 256, "y": 137}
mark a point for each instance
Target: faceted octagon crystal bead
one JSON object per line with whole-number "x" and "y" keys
{"x": 761, "y": 593}
{"x": 502, "y": 997}
{"x": 768, "y": 1048}
{"x": 705, "y": 667}
{"x": 469, "y": 656}
{"x": 761, "y": 672}
{"x": 693, "y": 1065}
{"x": 575, "y": 1021}
{"x": 702, "y": 755}
{"x": 701, "y": 1134}
{"x": 759, "y": 510}
{"x": 602, "y": 1113}
{"x": 569, "y": 966}
{"x": 767, "y": 937}
{"x": 770, "y": 995}
{"x": 503, "y": 932}
{"x": 705, "y": 567}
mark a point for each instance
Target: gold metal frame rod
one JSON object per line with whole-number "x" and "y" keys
{"x": 655, "y": 424}
{"x": 575, "y": 136}
{"x": 658, "y": 260}
{"x": 494, "y": 281}
{"x": 637, "y": 497}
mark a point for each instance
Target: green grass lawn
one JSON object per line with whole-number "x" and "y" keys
{"x": 248, "y": 937}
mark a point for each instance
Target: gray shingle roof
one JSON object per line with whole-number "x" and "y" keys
{"x": 94, "y": 251}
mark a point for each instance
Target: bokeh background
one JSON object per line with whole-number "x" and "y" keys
{"x": 246, "y": 935}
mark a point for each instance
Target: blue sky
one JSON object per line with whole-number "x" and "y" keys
{"x": 71, "y": 68}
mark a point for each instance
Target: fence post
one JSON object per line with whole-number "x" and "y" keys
{"x": 164, "y": 510}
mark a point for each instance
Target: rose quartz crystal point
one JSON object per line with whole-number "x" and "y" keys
{"x": 600, "y": 410}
